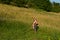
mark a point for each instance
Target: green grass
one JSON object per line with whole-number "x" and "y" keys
{"x": 14, "y": 30}
{"x": 16, "y": 24}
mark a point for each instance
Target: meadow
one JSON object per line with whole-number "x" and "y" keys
{"x": 16, "y": 24}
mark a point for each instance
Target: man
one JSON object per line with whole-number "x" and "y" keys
{"x": 35, "y": 24}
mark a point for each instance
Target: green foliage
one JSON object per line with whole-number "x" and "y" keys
{"x": 56, "y": 7}
{"x": 39, "y": 4}
{"x": 43, "y": 4}
{"x": 5, "y": 1}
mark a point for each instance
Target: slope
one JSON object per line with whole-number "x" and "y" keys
{"x": 16, "y": 24}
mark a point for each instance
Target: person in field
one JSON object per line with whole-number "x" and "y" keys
{"x": 35, "y": 24}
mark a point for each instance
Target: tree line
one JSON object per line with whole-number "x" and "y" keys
{"x": 39, "y": 4}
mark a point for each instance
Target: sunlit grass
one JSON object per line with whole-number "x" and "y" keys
{"x": 16, "y": 24}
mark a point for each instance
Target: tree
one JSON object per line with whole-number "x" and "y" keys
{"x": 43, "y": 4}
{"x": 56, "y": 7}
{"x": 6, "y": 1}
{"x": 40, "y": 4}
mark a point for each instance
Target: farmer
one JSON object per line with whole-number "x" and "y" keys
{"x": 35, "y": 24}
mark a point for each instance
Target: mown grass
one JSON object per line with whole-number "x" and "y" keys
{"x": 16, "y": 24}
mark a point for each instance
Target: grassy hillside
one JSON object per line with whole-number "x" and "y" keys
{"x": 16, "y": 24}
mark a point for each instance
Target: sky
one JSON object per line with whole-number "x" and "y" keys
{"x": 57, "y": 1}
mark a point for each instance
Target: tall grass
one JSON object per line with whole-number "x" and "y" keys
{"x": 16, "y": 30}
{"x": 16, "y": 24}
